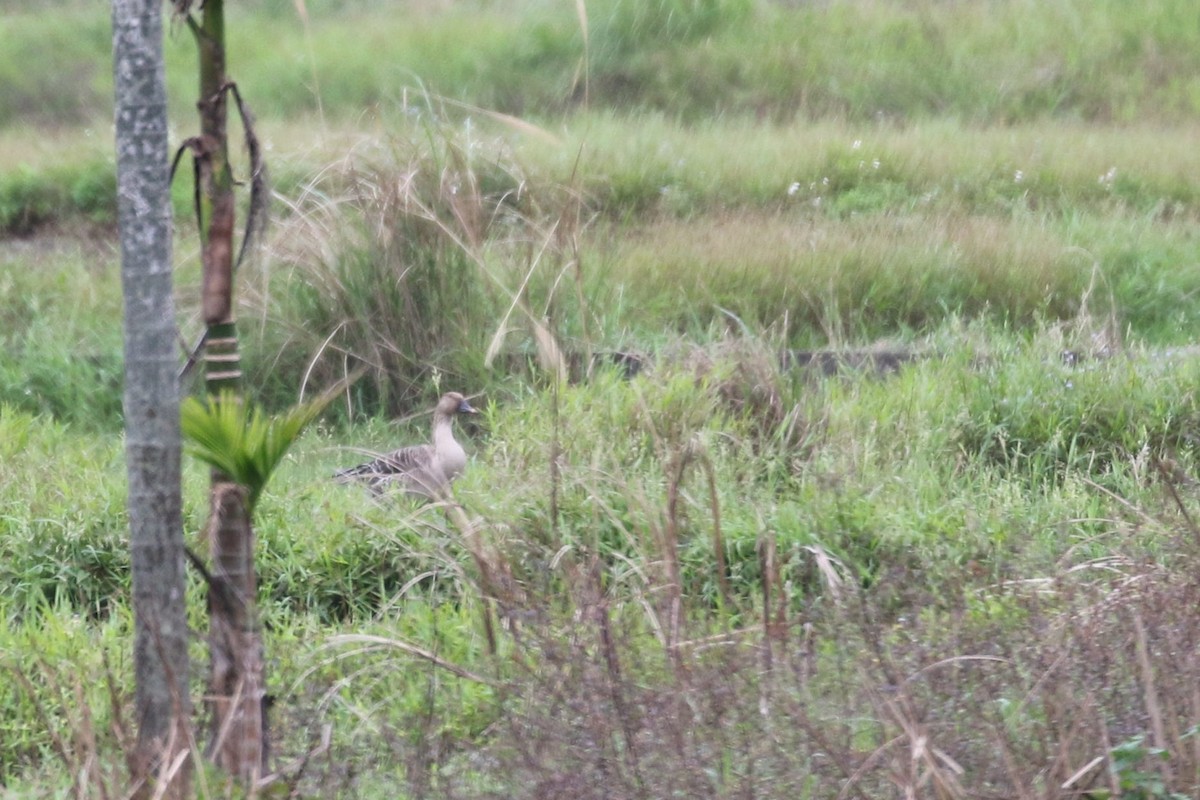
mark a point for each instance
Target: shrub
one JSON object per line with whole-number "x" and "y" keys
{"x": 409, "y": 260}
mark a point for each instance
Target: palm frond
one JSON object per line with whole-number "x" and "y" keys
{"x": 239, "y": 439}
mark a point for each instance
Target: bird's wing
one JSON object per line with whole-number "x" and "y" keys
{"x": 404, "y": 461}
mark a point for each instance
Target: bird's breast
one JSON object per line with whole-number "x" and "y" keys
{"x": 453, "y": 460}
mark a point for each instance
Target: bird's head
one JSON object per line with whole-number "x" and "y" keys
{"x": 454, "y": 403}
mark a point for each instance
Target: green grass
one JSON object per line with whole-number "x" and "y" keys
{"x": 851, "y": 259}
{"x": 1015, "y": 223}
{"x": 653, "y": 162}
{"x": 858, "y": 60}
{"x": 719, "y": 578}
{"x": 925, "y": 488}
{"x": 62, "y": 333}
{"x": 960, "y": 436}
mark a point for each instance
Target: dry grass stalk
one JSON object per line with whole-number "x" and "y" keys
{"x": 1149, "y": 690}
{"x": 407, "y": 257}
{"x": 66, "y": 715}
{"x": 371, "y": 643}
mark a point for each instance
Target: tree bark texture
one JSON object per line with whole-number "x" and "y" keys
{"x": 237, "y": 700}
{"x": 151, "y": 402}
{"x": 217, "y": 195}
{"x": 237, "y": 694}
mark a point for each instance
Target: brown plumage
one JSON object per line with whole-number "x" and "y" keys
{"x": 422, "y": 470}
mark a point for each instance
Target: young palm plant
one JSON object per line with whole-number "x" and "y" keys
{"x": 240, "y": 440}
{"x": 245, "y": 446}
{"x": 235, "y": 646}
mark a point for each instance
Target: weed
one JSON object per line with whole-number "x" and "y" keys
{"x": 1086, "y": 416}
{"x": 403, "y": 260}
{"x": 972, "y": 576}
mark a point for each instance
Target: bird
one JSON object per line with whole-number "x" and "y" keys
{"x": 422, "y": 470}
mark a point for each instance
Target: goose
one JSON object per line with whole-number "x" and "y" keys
{"x": 422, "y": 470}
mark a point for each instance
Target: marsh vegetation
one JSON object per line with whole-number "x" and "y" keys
{"x": 972, "y": 577}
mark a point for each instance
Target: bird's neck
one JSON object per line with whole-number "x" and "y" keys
{"x": 443, "y": 432}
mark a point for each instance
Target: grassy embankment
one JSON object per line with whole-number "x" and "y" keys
{"x": 718, "y": 578}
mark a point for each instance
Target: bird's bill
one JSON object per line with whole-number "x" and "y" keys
{"x": 466, "y": 408}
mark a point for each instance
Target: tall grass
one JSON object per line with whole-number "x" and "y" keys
{"x": 972, "y": 577}
{"x": 634, "y": 164}
{"x": 853, "y": 59}
{"x": 884, "y": 583}
{"x": 61, "y": 339}
{"x": 63, "y": 530}
{"x": 65, "y": 702}
{"x": 409, "y": 251}
{"x": 646, "y": 162}
{"x": 415, "y": 257}
{"x": 713, "y": 550}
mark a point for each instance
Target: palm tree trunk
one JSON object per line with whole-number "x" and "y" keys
{"x": 152, "y": 435}
{"x": 236, "y": 688}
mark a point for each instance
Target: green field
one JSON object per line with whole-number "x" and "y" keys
{"x": 728, "y": 576}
